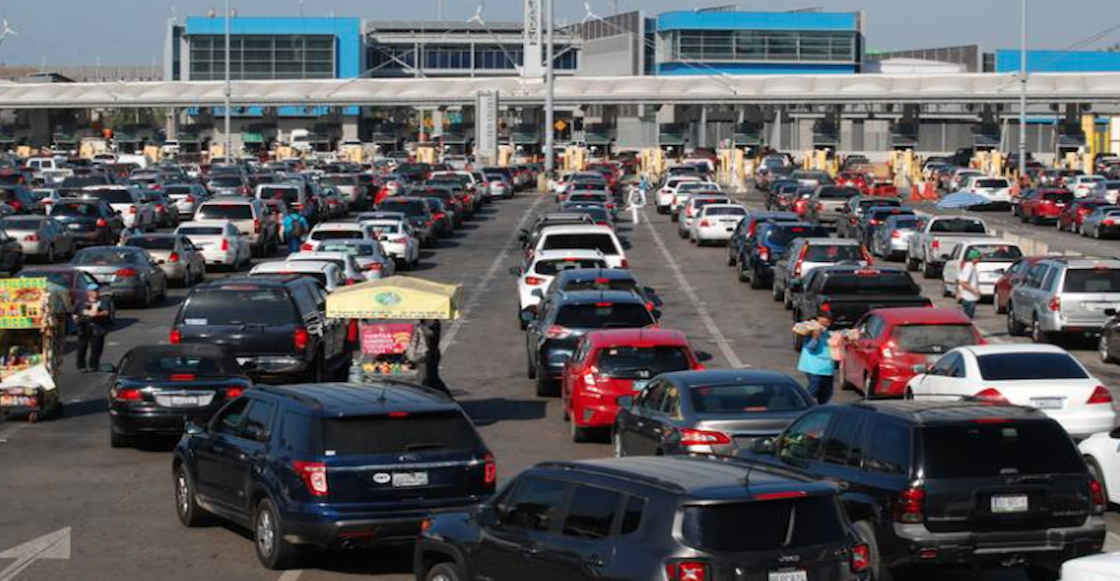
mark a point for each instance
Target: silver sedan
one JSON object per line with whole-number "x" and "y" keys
{"x": 179, "y": 259}
{"x": 41, "y": 237}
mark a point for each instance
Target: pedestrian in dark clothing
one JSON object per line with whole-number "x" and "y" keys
{"x": 93, "y": 324}
{"x": 434, "y": 355}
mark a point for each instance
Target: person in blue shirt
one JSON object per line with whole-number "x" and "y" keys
{"x": 294, "y": 227}
{"x": 816, "y": 361}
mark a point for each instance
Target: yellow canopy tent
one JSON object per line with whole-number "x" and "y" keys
{"x": 395, "y": 298}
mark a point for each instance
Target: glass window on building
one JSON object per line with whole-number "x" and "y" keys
{"x": 760, "y": 46}
{"x": 263, "y": 57}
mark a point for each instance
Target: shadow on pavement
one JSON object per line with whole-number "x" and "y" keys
{"x": 485, "y": 412}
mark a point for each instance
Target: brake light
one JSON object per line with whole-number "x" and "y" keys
{"x": 861, "y": 558}
{"x": 935, "y": 245}
{"x": 101, "y": 223}
{"x": 533, "y": 281}
{"x": 625, "y": 263}
{"x": 705, "y": 223}
{"x": 1055, "y": 304}
{"x": 132, "y": 209}
{"x": 800, "y": 261}
{"x": 352, "y": 331}
{"x": 127, "y": 272}
{"x": 314, "y": 476}
{"x": 557, "y": 332}
{"x": 703, "y": 438}
{"x": 225, "y": 244}
{"x": 176, "y": 337}
{"x": 300, "y": 338}
{"x": 826, "y": 308}
{"x": 991, "y": 395}
{"x": 1096, "y": 496}
{"x": 174, "y": 257}
{"x": 910, "y": 506}
{"x": 687, "y": 571}
{"x": 307, "y": 247}
{"x": 31, "y": 238}
{"x": 374, "y": 266}
{"x": 182, "y": 377}
{"x": 257, "y": 226}
{"x": 1100, "y": 395}
{"x": 781, "y": 495}
{"x": 490, "y": 470}
{"x": 234, "y": 392}
{"x": 764, "y": 253}
{"x": 127, "y": 394}
{"x": 896, "y": 234}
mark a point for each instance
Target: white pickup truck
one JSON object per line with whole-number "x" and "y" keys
{"x": 937, "y": 239}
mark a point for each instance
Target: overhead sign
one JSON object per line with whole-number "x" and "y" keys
{"x": 560, "y": 125}
{"x": 486, "y": 127}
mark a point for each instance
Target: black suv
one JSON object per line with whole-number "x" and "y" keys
{"x": 677, "y": 518}
{"x": 951, "y": 484}
{"x": 331, "y": 465}
{"x": 275, "y": 327}
{"x": 562, "y": 318}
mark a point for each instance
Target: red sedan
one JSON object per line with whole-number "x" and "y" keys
{"x": 1036, "y": 206}
{"x": 1011, "y": 278}
{"x": 893, "y": 341}
{"x": 853, "y": 180}
{"x": 1071, "y": 216}
{"x": 614, "y": 363}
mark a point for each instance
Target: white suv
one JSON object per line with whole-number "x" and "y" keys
{"x": 534, "y": 279}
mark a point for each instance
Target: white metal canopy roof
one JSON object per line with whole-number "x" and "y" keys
{"x": 763, "y": 89}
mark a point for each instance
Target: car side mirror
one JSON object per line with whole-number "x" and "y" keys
{"x": 920, "y": 369}
{"x": 1110, "y": 312}
{"x": 487, "y": 516}
{"x": 763, "y": 447}
{"x": 656, "y": 314}
{"x": 703, "y": 356}
{"x": 193, "y": 429}
{"x": 625, "y": 401}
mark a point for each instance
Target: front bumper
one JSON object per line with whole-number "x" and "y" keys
{"x": 918, "y": 545}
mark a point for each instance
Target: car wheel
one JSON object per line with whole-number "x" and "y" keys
{"x": 777, "y": 294}
{"x": 741, "y": 272}
{"x": 545, "y": 386}
{"x": 929, "y": 272}
{"x": 1014, "y": 327}
{"x": 1097, "y": 232}
{"x": 997, "y": 305}
{"x": 273, "y": 550}
{"x": 1037, "y": 334}
{"x": 579, "y": 435}
{"x": 787, "y": 300}
{"x": 730, "y": 257}
{"x": 186, "y": 505}
{"x": 147, "y": 300}
{"x": 866, "y": 532}
{"x": 1103, "y": 351}
{"x": 755, "y": 280}
{"x": 911, "y": 264}
{"x": 616, "y": 443}
{"x": 445, "y": 572}
{"x": 869, "y": 384}
{"x": 50, "y": 254}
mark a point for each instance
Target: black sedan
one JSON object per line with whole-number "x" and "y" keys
{"x": 708, "y": 412}
{"x": 158, "y": 388}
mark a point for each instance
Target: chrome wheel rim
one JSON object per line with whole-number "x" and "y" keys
{"x": 266, "y": 536}
{"x": 1102, "y": 348}
{"x": 182, "y": 493}
{"x": 440, "y": 577}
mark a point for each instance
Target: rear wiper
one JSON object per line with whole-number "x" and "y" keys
{"x": 423, "y": 446}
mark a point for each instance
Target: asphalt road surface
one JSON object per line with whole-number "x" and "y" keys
{"x": 112, "y": 509}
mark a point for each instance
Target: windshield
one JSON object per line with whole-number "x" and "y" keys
{"x": 623, "y": 362}
{"x": 1029, "y": 366}
{"x": 774, "y": 525}
{"x": 997, "y": 252}
{"x": 75, "y": 209}
{"x": 601, "y": 242}
{"x": 987, "y": 450}
{"x": 958, "y": 226}
{"x": 782, "y": 236}
{"x": 106, "y": 256}
{"x": 152, "y": 242}
{"x": 933, "y": 339}
{"x": 255, "y": 307}
{"x": 162, "y": 363}
{"x": 225, "y": 212}
{"x": 378, "y": 435}
{"x": 740, "y": 398}
{"x": 877, "y": 283}
{"x": 604, "y": 316}
{"x": 1084, "y": 280}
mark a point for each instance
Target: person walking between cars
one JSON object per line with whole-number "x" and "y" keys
{"x": 637, "y": 200}
{"x": 816, "y": 360}
{"x": 294, "y": 226}
{"x": 93, "y": 324}
{"x": 968, "y": 284}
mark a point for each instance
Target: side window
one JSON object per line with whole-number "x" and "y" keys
{"x": 670, "y": 404}
{"x": 889, "y": 449}
{"x": 305, "y": 301}
{"x": 1051, "y": 276}
{"x": 804, "y": 439}
{"x": 591, "y": 512}
{"x": 651, "y": 399}
{"x": 229, "y": 420}
{"x": 843, "y": 444}
{"x": 632, "y": 515}
{"x": 957, "y": 367}
{"x": 1035, "y": 276}
{"x": 874, "y": 327}
{"x": 533, "y": 505}
{"x": 944, "y": 366}
{"x": 258, "y": 422}
{"x": 297, "y": 434}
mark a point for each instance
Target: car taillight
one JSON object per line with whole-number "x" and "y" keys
{"x": 120, "y": 394}
{"x": 533, "y": 281}
{"x": 910, "y": 506}
{"x": 896, "y": 234}
{"x": 234, "y": 392}
{"x": 314, "y": 476}
{"x": 1096, "y": 496}
{"x": 307, "y": 247}
{"x": 861, "y": 558}
{"x": 625, "y": 264}
{"x": 703, "y": 438}
{"x": 991, "y": 395}
{"x": 174, "y": 257}
{"x": 490, "y": 470}
{"x": 1100, "y": 395}
{"x": 687, "y": 571}
{"x": 127, "y": 272}
{"x": 300, "y": 338}
{"x": 764, "y": 253}
{"x": 557, "y": 332}
{"x": 257, "y": 226}
{"x": 176, "y": 337}
{"x": 705, "y": 223}
{"x": 225, "y": 244}
{"x": 31, "y": 238}
{"x": 190, "y": 199}
{"x": 825, "y": 307}
{"x": 374, "y": 266}
{"x": 1055, "y": 304}
{"x": 101, "y": 223}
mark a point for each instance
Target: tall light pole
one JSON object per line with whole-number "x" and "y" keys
{"x": 229, "y": 90}
{"x": 550, "y": 92}
{"x": 1023, "y": 93}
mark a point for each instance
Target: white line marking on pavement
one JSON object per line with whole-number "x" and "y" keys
{"x": 721, "y": 340}
{"x": 292, "y": 575}
{"x": 476, "y": 295}
{"x": 1114, "y": 537}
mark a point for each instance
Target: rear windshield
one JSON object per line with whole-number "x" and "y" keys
{"x": 336, "y": 235}
{"x": 601, "y": 242}
{"x": 177, "y": 190}
{"x": 880, "y": 203}
{"x": 603, "y": 316}
{"x": 201, "y": 230}
{"x": 737, "y": 399}
{"x": 351, "y": 249}
{"x": 111, "y": 196}
{"x": 163, "y": 364}
{"x": 338, "y": 180}
{"x": 152, "y": 242}
{"x": 1059, "y": 197}
{"x": 385, "y": 228}
{"x": 225, "y": 212}
{"x": 588, "y": 198}
{"x": 893, "y": 283}
{"x": 997, "y": 252}
{"x": 1028, "y": 366}
{"x": 75, "y": 210}
{"x": 784, "y": 235}
{"x": 838, "y": 193}
{"x": 410, "y": 208}
{"x": 99, "y": 256}
{"x": 998, "y": 449}
{"x": 774, "y": 525}
{"x": 821, "y": 253}
{"x": 933, "y": 338}
{"x": 991, "y": 183}
{"x": 20, "y": 223}
{"x": 287, "y": 194}
{"x": 1092, "y": 281}
{"x": 226, "y": 182}
{"x": 371, "y": 436}
{"x": 616, "y": 361}
{"x": 906, "y": 224}
{"x": 957, "y": 226}
{"x": 601, "y": 284}
{"x": 551, "y": 267}
{"x": 725, "y": 212}
{"x": 257, "y": 306}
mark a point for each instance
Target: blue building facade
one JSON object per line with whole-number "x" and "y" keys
{"x": 1056, "y": 61}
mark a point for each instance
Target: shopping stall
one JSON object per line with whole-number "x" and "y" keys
{"x": 32, "y": 331}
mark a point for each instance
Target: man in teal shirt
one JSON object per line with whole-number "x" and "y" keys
{"x": 816, "y": 361}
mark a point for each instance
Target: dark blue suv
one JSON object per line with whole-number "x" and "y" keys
{"x": 331, "y": 466}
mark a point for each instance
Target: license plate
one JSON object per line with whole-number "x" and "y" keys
{"x": 24, "y": 401}
{"x": 1005, "y": 503}
{"x": 799, "y": 575}
{"x": 640, "y": 384}
{"x": 74, "y": 226}
{"x": 1048, "y": 403}
{"x": 184, "y": 401}
{"x": 409, "y": 479}
{"x": 1099, "y": 306}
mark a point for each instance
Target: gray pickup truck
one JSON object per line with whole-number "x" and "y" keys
{"x": 935, "y": 242}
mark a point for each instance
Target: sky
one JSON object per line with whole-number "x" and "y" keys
{"x": 131, "y": 32}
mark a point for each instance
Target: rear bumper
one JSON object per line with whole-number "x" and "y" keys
{"x": 918, "y": 545}
{"x": 597, "y": 413}
{"x": 129, "y": 292}
{"x": 1085, "y": 421}
{"x": 329, "y": 529}
{"x": 163, "y": 422}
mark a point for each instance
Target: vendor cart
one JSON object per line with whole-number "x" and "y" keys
{"x": 33, "y": 316}
{"x": 397, "y": 321}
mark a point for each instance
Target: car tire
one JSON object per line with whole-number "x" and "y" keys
{"x": 730, "y": 257}
{"x": 869, "y": 384}
{"x": 545, "y": 386}
{"x": 787, "y": 301}
{"x": 777, "y": 294}
{"x": 1038, "y": 335}
{"x": 579, "y": 435}
{"x": 273, "y": 551}
{"x": 146, "y": 301}
{"x": 928, "y": 272}
{"x": 866, "y": 532}
{"x": 755, "y": 280}
{"x": 50, "y": 254}
{"x": 1102, "y": 350}
{"x": 616, "y": 444}
{"x": 911, "y": 264}
{"x": 445, "y": 572}
{"x": 190, "y": 513}
{"x": 1014, "y": 327}
{"x": 996, "y": 305}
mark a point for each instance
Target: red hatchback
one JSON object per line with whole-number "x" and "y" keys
{"x": 614, "y": 363}
{"x": 1039, "y": 205}
{"x": 893, "y": 341}
{"x": 1074, "y": 213}
{"x": 1011, "y": 278}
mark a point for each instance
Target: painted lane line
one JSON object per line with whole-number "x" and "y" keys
{"x": 713, "y": 330}
{"x": 292, "y": 575}
{"x": 476, "y": 295}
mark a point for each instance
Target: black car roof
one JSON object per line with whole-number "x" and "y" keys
{"x": 353, "y": 399}
{"x": 583, "y": 297}
{"x": 724, "y": 377}
{"x": 847, "y": 268}
{"x": 263, "y": 282}
{"x": 932, "y": 412}
{"x": 595, "y": 273}
{"x": 189, "y": 349}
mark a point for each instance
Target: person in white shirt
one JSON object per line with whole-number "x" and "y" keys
{"x": 968, "y": 284}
